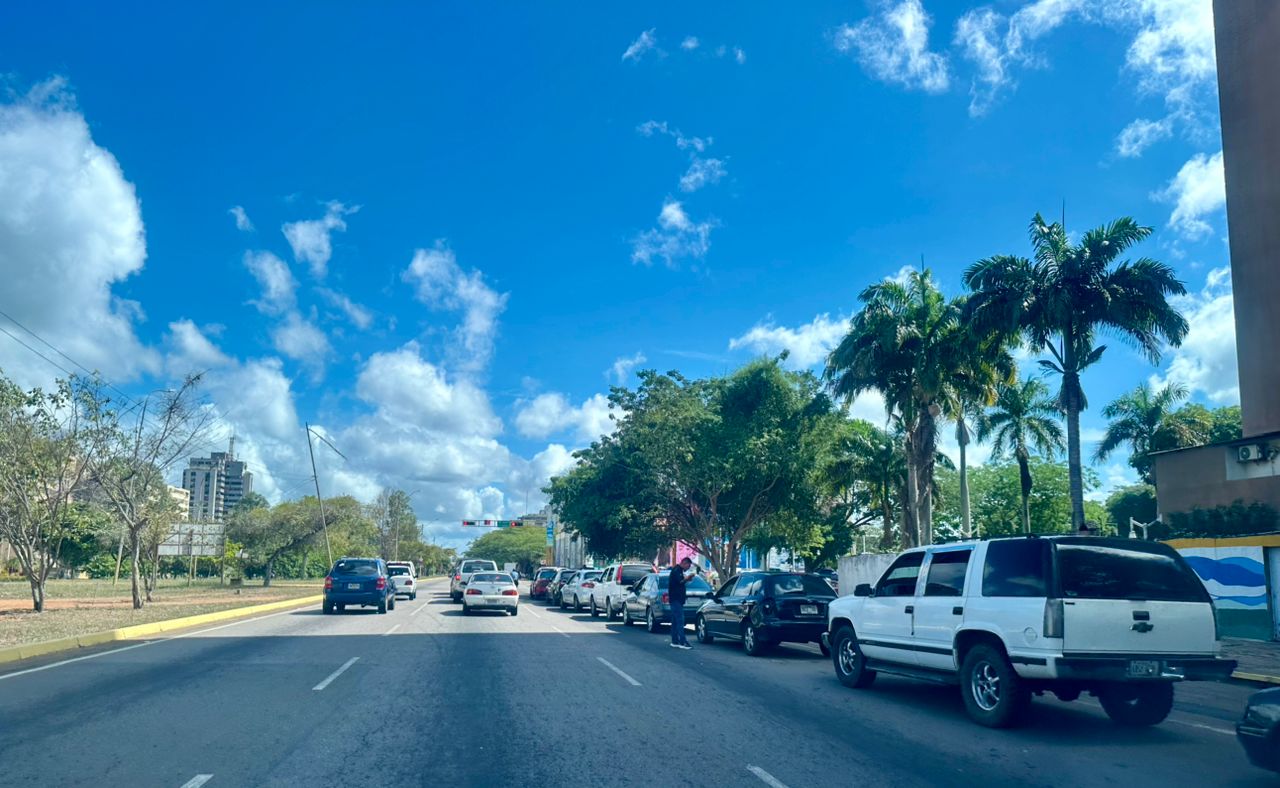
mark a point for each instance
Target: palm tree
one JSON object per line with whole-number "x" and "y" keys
{"x": 1147, "y": 422}
{"x": 1024, "y": 418}
{"x": 906, "y": 342}
{"x": 1069, "y": 295}
{"x": 983, "y": 369}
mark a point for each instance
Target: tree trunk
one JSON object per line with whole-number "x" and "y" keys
{"x": 910, "y": 521}
{"x": 37, "y": 591}
{"x": 886, "y": 539}
{"x": 926, "y": 447}
{"x": 1071, "y": 387}
{"x": 962, "y": 437}
{"x": 1024, "y": 476}
{"x": 266, "y": 575}
{"x": 135, "y": 558}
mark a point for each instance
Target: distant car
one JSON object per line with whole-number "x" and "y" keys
{"x": 764, "y": 608}
{"x": 413, "y": 572}
{"x": 553, "y": 588}
{"x": 541, "y": 579}
{"x": 579, "y": 588}
{"x": 648, "y": 600}
{"x": 613, "y": 586}
{"x": 462, "y": 573}
{"x": 491, "y": 591}
{"x": 402, "y": 580}
{"x": 831, "y": 576}
{"x": 1259, "y": 731}
{"x": 358, "y": 581}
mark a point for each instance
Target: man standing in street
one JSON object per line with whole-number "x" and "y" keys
{"x": 676, "y": 593}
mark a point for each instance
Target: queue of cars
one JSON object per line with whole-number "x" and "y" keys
{"x": 368, "y": 582}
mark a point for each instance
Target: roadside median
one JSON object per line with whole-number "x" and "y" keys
{"x": 29, "y": 650}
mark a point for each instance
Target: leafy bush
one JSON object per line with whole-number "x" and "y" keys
{"x": 1238, "y": 519}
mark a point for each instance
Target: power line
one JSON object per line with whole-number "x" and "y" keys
{"x": 56, "y": 349}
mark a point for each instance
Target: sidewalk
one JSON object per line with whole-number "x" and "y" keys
{"x": 1259, "y": 659}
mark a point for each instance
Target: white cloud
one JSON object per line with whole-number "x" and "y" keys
{"x": 410, "y": 390}
{"x": 275, "y": 279}
{"x": 310, "y": 239}
{"x": 1142, "y": 134}
{"x": 191, "y": 352}
{"x": 676, "y": 237}
{"x": 622, "y": 366}
{"x": 1206, "y": 360}
{"x": 70, "y": 230}
{"x": 1197, "y": 191}
{"x": 300, "y": 339}
{"x": 242, "y": 219}
{"x": 1113, "y": 476}
{"x": 689, "y": 43}
{"x": 645, "y": 42}
{"x": 739, "y": 55}
{"x": 893, "y": 46}
{"x": 552, "y": 414}
{"x": 701, "y": 172}
{"x": 359, "y": 316}
{"x": 440, "y": 283}
{"x": 807, "y": 345}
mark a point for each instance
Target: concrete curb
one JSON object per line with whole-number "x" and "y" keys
{"x": 29, "y": 650}
{"x": 1258, "y": 677}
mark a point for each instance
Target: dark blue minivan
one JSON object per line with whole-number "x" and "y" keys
{"x": 359, "y": 581}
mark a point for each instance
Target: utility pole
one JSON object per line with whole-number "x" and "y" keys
{"x": 324, "y": 523}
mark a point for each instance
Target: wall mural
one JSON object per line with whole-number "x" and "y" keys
{"x": 1237, "y": 581}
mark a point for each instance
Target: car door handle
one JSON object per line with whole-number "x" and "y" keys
{"x": 910, "y": 609}
{"x": 957, "y": 611}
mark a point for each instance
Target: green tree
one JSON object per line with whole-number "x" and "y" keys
{"x": 1146, "y": 422}
{"x": 997, "y": 500}
{"x": 1136, "y": 501}
{"x": 1023, "y": 420}
{"x": 521, "y": 546}
{"x": 1069, "y": 295}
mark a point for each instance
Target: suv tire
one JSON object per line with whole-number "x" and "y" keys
{"x": 609, "y": 613}
{"x": 849, "y": 661}
{"x": 993, "y": 693}
{"x": 594, "y": 612}
{"x": 577, "y": 604}
{"x": 327, "y": 608}
{"x": 704, "y": 634}
{"x": 1137, "y": 705}
{"x": 391, "y": 603}
{"x": 455, "y": 596}
{"x": 650, "y": 623}
{"x": 627, "y": 620}
{"x": 382, "y": 606}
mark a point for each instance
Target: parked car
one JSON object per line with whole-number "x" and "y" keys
{"x": 358, "y": 581}
{"x": 1121, "y": 619}
{"x": 1259, "y": 731}
{"x": 612, "y": 587}
{"x": 765, "y": 608}
{"x": 462, "y": 573}
{"x": 491, "y": 591}
{"x": 647, "y": 600}
{"x": 402, "y": 582}
{"x": 579, "y": 588}
{"x": 553, "y": 588}
{"x": 831, "y": 576}
{"x": 541, "y": 579}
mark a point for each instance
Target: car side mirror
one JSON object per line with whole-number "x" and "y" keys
{"x": 862, "y": 589}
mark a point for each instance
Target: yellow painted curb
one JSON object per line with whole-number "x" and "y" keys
{"x": 1256, "y": 677}
{"x": 28, "y": 650}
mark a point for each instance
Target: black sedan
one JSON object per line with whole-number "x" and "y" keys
{"x": 1259, "y": 731}
{"x": 764, "y": 608}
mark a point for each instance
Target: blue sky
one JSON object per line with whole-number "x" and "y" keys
{"x": 440, "y": 233}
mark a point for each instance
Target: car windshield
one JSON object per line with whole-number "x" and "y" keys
{"x": 801, "y": 585}
{"x": 493, "y": 577}
{"x": 1092, "y": 569}
{"x": 355, "y": 567}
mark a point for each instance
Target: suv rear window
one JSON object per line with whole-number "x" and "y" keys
{"x": 1016, "y": 567}
{"x": 809, "y": 585}
{"x": 1092, "y": 569}
{"x": 478, "y": 566}
{"x": 363, "y": 568}
{"x": 546, "y": 574}
{"x": 397, "y": 570}
{"x": 633, "y": 572}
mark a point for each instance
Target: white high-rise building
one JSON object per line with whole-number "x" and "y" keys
{"x": 216, "y": 483}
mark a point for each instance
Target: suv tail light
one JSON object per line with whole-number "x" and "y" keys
{"x": 589, "y": 584}
{"x": 328, "y": 583}
{"x": 619, "y": 580}
{"x": 666, "y": 598}
{"x": 1053, "y": 615}
{"x": 381, "y": 583}
{"x": 471, "y": 591}
{"x": 510, "y": 592}
{"x": 457, "y": 577}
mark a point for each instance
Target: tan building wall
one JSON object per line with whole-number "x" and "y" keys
{"x": 1209, "y": 476}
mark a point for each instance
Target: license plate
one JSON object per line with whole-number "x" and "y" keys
{"x": 808, "y": 610}
{"x": 353, "y": 586}
{"x": 1143, "y": 668}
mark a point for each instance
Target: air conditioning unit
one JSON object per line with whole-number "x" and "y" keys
{"x": 1254, "y": 453}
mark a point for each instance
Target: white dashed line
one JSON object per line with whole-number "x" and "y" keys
{"x": 393, "y": 629}
{"x": 197, "y": 781}
{"x": 535, "y": 613}
{"x": 615, "y": 669}
{"x": 1223, "y": 731}
{"x": 561, "y": 631}
{"x": 335, "y": 674}
{"x": 765, "y": 777}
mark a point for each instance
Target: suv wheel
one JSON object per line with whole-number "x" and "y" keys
{"x": 1137, "y": 705}
{"x": 994, "y": 694}
{"x": 382, "y": 606}
{"x": 753, "y": 642}
{"x": 704, "y": 634}
{"x": 455, "y": 596}
{"x": 626, "y": 615}
{"x": 594, "y": 612}
{"x": 850, "y": 662}
{"x": 577, "y": 604}
{"x": 327, "y": 608}
{"x": 650, "y": 623}
{"x": 609, "y": 613}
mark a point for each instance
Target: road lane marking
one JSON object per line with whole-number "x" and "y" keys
{"x": 197, "y": 781}
{"x": 561, "y": 631}
{"x": 535, "y": 613}
{"x": 1223, "y": 731}
{"x": 335, "y": 674}
{"x": 421, "y": 608}
{"x": 393, "y": 629}
{"x": 765, "y": 777}
{"x": 615, "y": 669}
{"x": 60, "y": 663}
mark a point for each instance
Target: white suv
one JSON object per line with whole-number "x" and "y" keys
{"x": 1121, "y": 619}
{"x": 462, "y": 573}
{"x": 615, "y": 582}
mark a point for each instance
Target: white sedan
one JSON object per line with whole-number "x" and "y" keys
{"x": 491, "y": 591}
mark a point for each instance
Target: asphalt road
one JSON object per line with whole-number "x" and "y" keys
{"x": 427, "y": 696}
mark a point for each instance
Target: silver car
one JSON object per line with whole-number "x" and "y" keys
{"x": 577, "y": 592}
{"x": 647, "y": 600}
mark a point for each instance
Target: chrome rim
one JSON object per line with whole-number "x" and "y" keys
{"x": 985, "y": 686}
{"x": 648, "y": 619}
{"x": 702, "y": 629}
{"x": 751, "y": 638}
{"x": 848, "y": 657}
